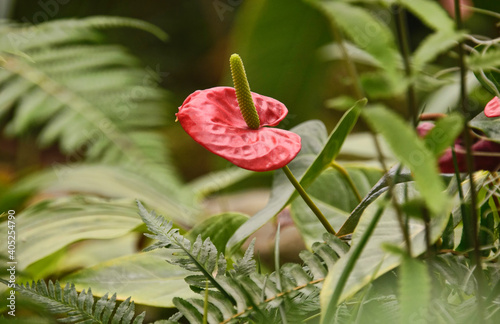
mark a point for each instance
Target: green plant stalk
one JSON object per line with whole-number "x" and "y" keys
{"x": 329, "y": 317}
{"x": 308, "y": 200}
{"x": 348, "y": 178}
{"x": 476, "y": 257}
{"x": 402, "y": 33}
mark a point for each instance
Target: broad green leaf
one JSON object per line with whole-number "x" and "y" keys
{"x": 444, "y": 133}
{"x": 433, "y": 45}
{"x": 51, "y": 225}
{"x": 375, "y": 260}
{"x": 431, "y": 14}
{"x": 410, "y": 150}
{"x": 316, "y": 154}
{"x": 414, "y": 288}
{"x": 335, "y": 198}
{"x": 145, "y": 276}
{"x": 219, "y": 228}
{"x": 487, "y": 126}
{"x": 282, "y": 62}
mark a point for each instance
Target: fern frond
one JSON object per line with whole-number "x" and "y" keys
{"x": 201, "y": 256}
{"x": 242, "y": 292}
{"x": 95, "y": 99}
{"x": 79, "y": 307}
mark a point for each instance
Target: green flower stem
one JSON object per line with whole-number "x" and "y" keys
{"x": 308, "y": 200}
{"x": 348, "y": 178}
{"x": 476, "y": 255}
{"x": 243, "y": 94}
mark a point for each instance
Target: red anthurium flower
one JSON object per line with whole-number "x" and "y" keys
{"x": 212, "y": 118}
{"x": 485, "y": 153}
{"x": 492, "y": 108}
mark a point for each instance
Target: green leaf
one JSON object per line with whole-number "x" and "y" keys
{"x": 414, "y": 288}
{"x": 379, "y": 188}
{"x": 486, "y": 61}
{"x": 487, "y": 126}
{"x": 144, "y": 276}
{"x": 431, "y": 14}
{"x": 375, "y": 260}
{"x": 444, "y": 133}
{"x": 312, "y": 164}
{"x": 433, "y": 45}
{"x": 51, "y": 225}
{"x": 219, "y": 228}
{"x": 333, "y": 195}
{"x": 410, "y": 150}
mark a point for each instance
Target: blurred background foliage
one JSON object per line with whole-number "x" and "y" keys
{"x": 280, "y": 42}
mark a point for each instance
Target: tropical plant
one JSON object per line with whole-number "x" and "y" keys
{"x": 406, "y": 243}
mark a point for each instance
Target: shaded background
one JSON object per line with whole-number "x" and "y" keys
{"x": 279, "y": 41}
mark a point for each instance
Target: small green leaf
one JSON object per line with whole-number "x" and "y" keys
{"x": 411, "y": 150}
{"x": 431, "y": 14}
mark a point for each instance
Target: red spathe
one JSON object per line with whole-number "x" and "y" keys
{"x": 212, "y": 118}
